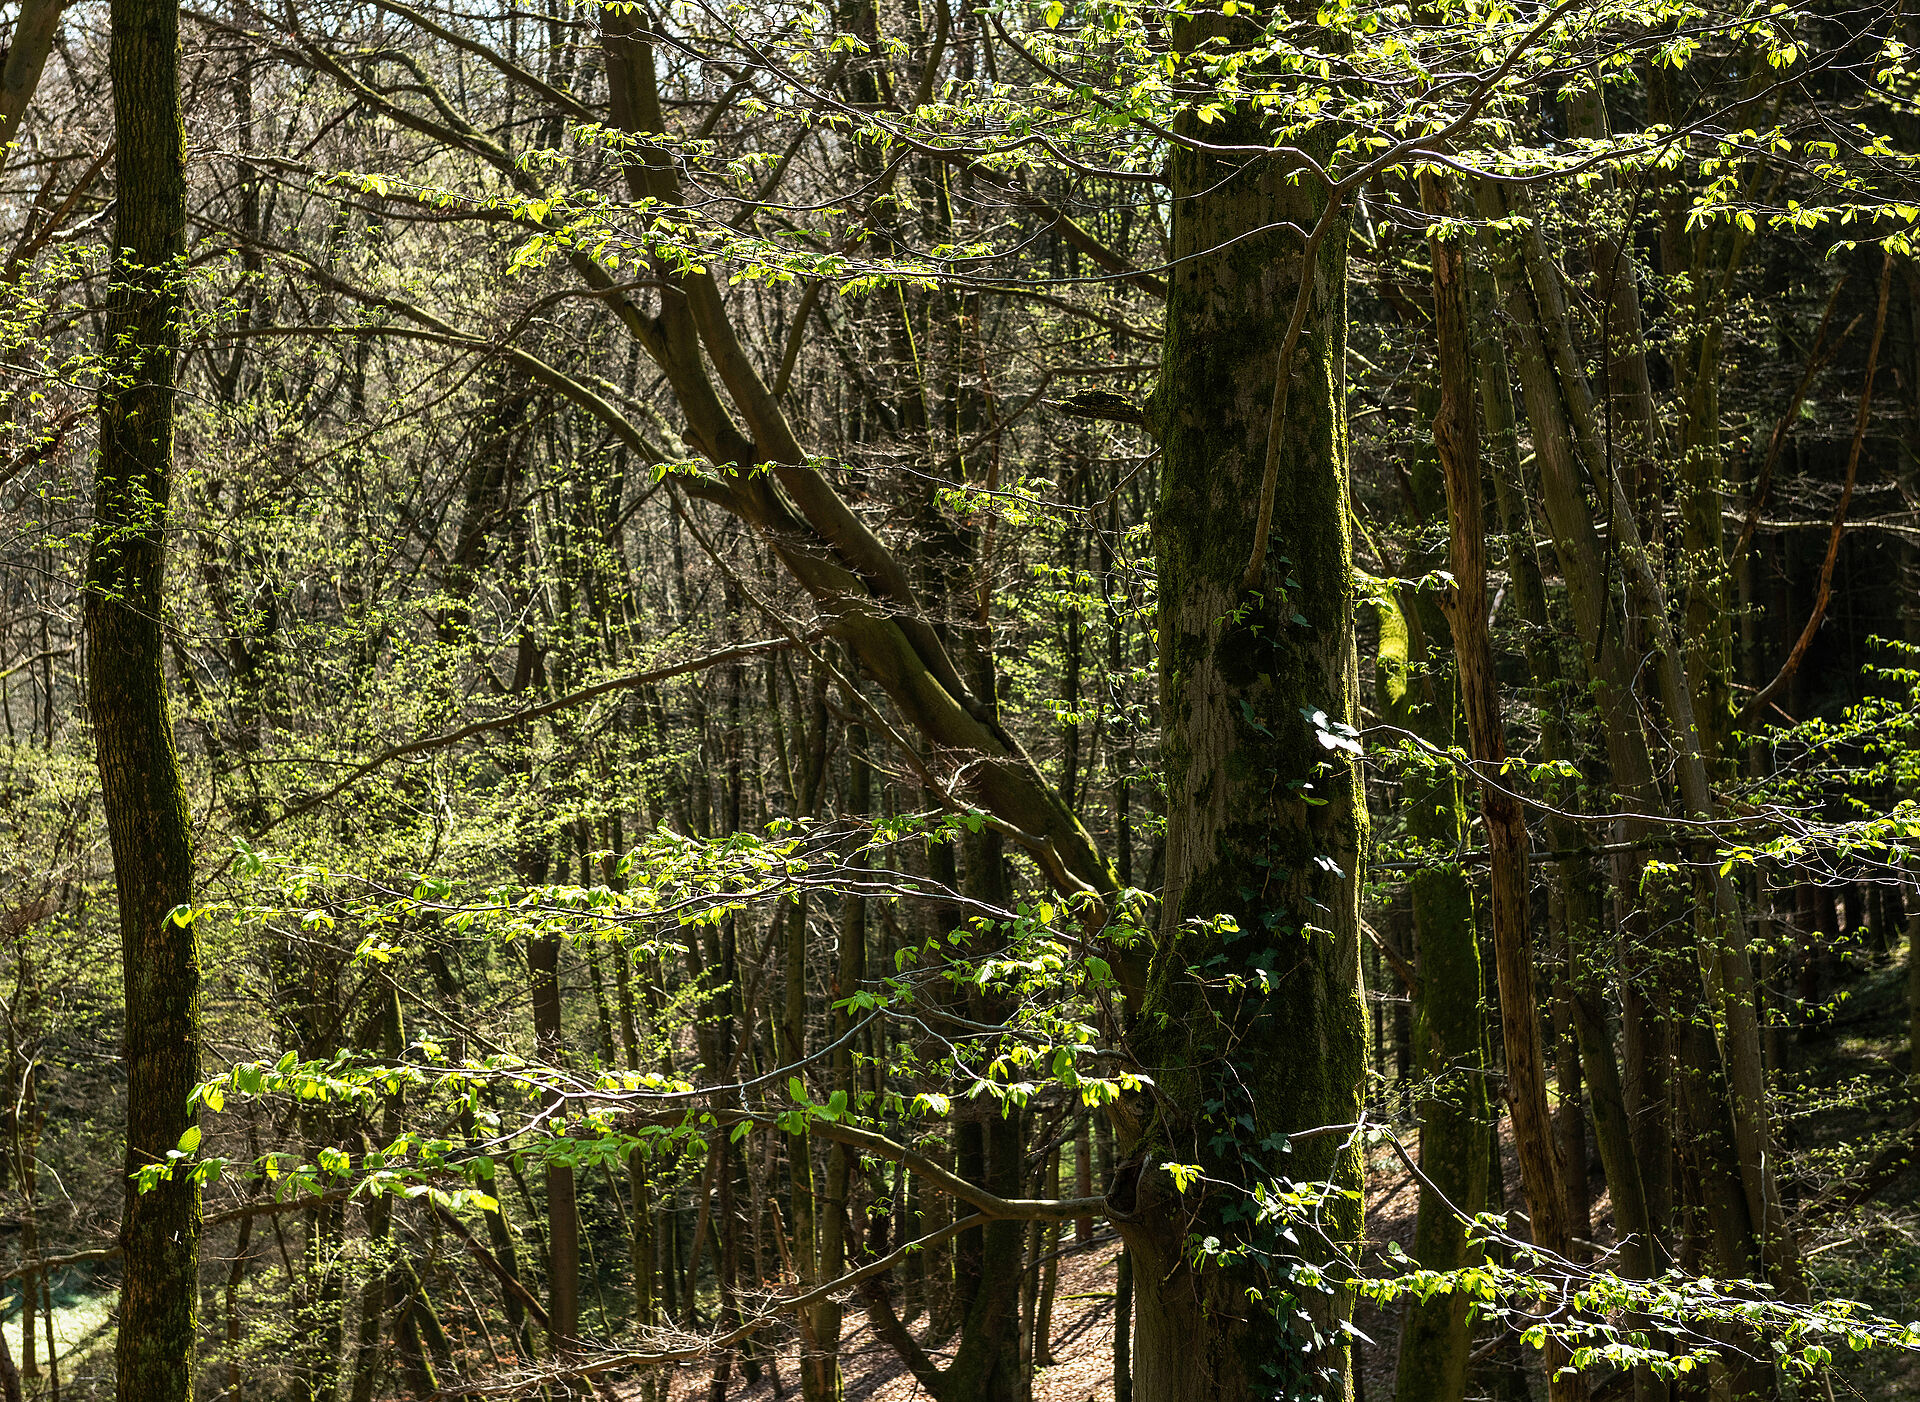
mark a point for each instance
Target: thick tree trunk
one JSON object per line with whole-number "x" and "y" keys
{"x": 140, "y": 784}
{"x": 1253, "y": 1024}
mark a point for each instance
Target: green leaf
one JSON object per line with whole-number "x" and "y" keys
{"x": 190, "y": 1140}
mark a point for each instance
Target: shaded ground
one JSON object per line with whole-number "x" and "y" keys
{"x": 1082, "y": 1370}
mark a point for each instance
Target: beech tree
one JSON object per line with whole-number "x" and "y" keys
{"x": 759, "y": 703}
{"x": 141, "y": 791}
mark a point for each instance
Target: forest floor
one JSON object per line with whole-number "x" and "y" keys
{"x": 1082, "y": 1336}
{"x": 1082, "y": 1370}
{"x": 1843, "y": 1077}
{"x": 82, "y": 1322}
{"x": 1844, "y": 1086}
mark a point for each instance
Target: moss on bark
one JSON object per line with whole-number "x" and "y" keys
{"x": 1253, "y": 1024}
{"x": 145, "y": 805}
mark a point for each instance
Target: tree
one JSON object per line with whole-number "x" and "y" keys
{"x": 1252, "y": 1023}
{"x": 140, "y": 780}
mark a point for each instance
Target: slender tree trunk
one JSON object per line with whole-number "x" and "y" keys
{"x": 1456, "y": 434}
{"x": 1560, "y": 407}
{"x": 563, "y": 1214}
{"x": 9, "y": 1373}
{"x": 1049, "y": 1273}
{"x": 235, "y": 1274}
{"x": 140, "y": 783}
{"x": 848, "y": 976}
{"x": 376, "y": 1293}
{"x": 1083, "y": 1177}
{"x": 1913, "y": 1001}
{"x": 1448, "y": 996}
{"x": 1578, "y": 880}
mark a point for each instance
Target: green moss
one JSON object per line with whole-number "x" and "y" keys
{"x": 1253, "y": 1024}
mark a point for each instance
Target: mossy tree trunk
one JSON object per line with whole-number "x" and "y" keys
{"x": 1448, "y": 995}
{"x": 1253, "y": 1024}
{"x": 140, "y": 784}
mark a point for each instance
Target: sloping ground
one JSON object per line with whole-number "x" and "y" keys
{"x": 1082, "y": 1370}
{"x": 1847, "y": 1093}
{"x": 80, "y": 1327}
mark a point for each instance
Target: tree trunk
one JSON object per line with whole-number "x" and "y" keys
{"x": 26, "y": 58}
{"x": 1456, "y": 434}
{"x": 1448, "y": 997}
{"x": 848, "y": 976}
{"x": 1253, "y": 1024}
{"x": 830, "y": 551}
{"x": 1567, "y": 449}
{"x": 140, "y": 784}
{"x": 563, "y": 1216}
{"x": 1579, "y": 883}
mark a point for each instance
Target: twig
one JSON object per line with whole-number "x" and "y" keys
{"x": 1766, "y": 693}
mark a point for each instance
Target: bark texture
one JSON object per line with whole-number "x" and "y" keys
{"x": 1252, "y": 1023}
{"x": 140, "y": 784}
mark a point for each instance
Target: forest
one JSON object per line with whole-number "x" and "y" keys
{"x": 971, "y": 700}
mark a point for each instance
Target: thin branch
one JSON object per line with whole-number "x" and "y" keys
{"x": 1816, "y": 360}
{"x": 1759, "y": 700}
{"x": 560, "y": 703}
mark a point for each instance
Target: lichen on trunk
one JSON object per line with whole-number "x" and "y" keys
{"x": 1253, "y": 1025}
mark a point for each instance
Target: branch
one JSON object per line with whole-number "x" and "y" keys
{"x": 706, "y": 1347}
{"x": 1758, "y": 701}
{"x": 532, "y": 713}
{"x": 109, "y": 1253}
{"x": 1396, "y": 961}
{"x": 1099, "y": 404}
{"x": 508, "y": 1281}
{"x": 1881, "y": 1170}
{"x": 566, "y": 102}
{"x": 1816, "y": 360}
{"x": 985, "y": 1203}
{"x": 1283, "y": 386}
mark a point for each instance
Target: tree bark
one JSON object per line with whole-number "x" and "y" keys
{"x": 1252, "y": 1023}
{"x": 1456, "y": 435}
{"x": 140, "y": 783}
{"x": 563, "y": 1215}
